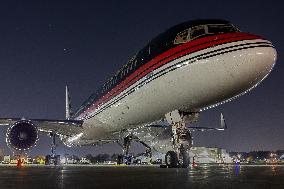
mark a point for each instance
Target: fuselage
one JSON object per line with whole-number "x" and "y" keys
{"x": 193, "y": 66}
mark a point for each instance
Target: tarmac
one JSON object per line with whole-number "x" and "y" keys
{"x": 110, "y": 176}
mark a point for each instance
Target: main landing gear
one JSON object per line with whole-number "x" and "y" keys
{"x": 181, "y": 140}
{"x": 125, "y": 158}
{"x": 52, "y": 159}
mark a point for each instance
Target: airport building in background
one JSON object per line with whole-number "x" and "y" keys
{"x": 209, "y": 155}
{"x": 1, "y": 154}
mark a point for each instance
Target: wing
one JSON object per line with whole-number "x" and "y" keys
{"x": 61, "y": 127}
{"x": 222, "y": 127}
{"x": 204, "y": 129}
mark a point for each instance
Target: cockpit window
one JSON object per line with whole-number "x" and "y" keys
{"x": 203, "y": 30}
{"x": 197, "y": 31}
{"x": 218, "y": 29}
{"x": 182, "y": 37}
{"x": 190, "y": 34}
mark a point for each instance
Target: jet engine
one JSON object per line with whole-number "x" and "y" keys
{"x": 22, "y": 135}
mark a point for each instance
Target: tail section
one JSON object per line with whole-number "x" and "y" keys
{"x": 68, "y": 104}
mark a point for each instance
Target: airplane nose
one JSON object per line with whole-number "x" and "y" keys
{"x": 241, "y": 69}
{"x": 261, "y": 61}
{"x": 251, "y": 65}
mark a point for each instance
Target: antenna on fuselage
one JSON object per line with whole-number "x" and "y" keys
{"x": 68, "y": 103}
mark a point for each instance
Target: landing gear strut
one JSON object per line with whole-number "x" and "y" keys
{"x": 52, "y": 158}
{"x": 181, "y": 141}
{"x": 148, "y": 151}
{"x": 124, "y": 158}
{"x": 53, "y": 145}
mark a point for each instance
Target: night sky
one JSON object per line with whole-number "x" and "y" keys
{"x": 45, "y": 45}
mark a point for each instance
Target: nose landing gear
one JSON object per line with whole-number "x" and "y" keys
{"x": 181, "y": 141}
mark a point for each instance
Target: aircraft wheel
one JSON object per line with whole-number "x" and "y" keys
{"x": 47, "y": 160}
{"x": 171, "y": 159}
{"x": 184, "y": 158}
{"x": 120, "y": 159}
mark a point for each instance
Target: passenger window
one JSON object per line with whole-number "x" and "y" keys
{"x": 182, "y": 37}
{"x": 197, "y": 31}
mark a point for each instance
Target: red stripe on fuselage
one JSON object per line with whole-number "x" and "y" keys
{"x": 167, "y": 56}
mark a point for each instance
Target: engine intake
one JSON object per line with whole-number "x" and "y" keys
{"x": 22, "y": 135}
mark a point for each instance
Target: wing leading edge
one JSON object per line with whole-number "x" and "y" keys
{"x": 61, "y": 127}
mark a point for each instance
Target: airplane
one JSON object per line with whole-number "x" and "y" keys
{"x": 189, "y": 68}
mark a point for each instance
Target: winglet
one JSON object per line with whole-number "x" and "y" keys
{"x": 223, "y": 125}
{"x": 68, "y": 104}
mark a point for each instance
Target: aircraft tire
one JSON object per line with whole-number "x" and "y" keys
{"x": 171, "y": 159}
{"x": 185, "y": 159}
{"x": 119, "y": 160}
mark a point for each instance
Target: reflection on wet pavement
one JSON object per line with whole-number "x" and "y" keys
{"x": 205, "y": 176}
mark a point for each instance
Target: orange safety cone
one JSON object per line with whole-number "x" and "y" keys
{"x": 20, "y": 163}
{"x": 193, "y": 163}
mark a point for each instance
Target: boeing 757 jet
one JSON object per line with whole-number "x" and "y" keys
{"x": 187, "y": 69}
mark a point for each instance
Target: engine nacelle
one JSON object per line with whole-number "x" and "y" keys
{"x": 22, "y": 135}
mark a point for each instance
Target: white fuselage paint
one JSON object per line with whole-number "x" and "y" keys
{"x": 194, "y": 85}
